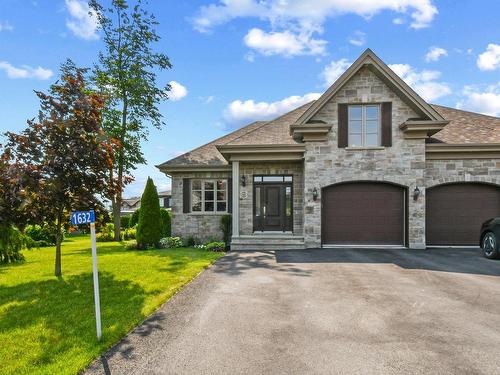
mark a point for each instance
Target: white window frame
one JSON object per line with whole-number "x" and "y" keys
{"x": 363, "y": 125}
{"x": 215, "y": 201}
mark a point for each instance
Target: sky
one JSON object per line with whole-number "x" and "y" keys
{"x": 236, "y": 61}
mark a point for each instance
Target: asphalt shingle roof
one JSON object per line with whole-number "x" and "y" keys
{"x": 464, "y": 127}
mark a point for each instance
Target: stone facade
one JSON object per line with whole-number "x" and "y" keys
{"x": 246, "y": 205}
{"x": 201, "y": 226}
{"x": 439, "y": 172}
{"x": 402, "y": 164}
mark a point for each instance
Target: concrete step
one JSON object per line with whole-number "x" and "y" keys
{"x": 267, "y": 242}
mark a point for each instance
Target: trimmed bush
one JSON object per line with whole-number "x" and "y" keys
{"x": 225, "y": 226}
{"x": 166, "y": 223}
{"x": 41, "y": 233}
{"x": 170, "y": 242}
{"x": 149, "y": 226}
{"x": 215, "y": 246}
{"x": 134, "y": 219}
{"x": 125, "y": 221}
{"x": 129, "y": 234}
{"x": 107, "y": 233}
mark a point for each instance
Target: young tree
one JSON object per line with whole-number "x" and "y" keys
{"x": 149, "y": 226}
{"x": 68, "y": 149}
{"x": 126, "y": 73}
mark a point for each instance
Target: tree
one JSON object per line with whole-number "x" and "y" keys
{"x": 126, "y": 74}
{"x": 166, "y": 223}
{"x": 149, "y": 226}
{"x": 67, "y": 149}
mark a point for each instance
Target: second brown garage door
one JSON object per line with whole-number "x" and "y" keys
{"x": 455, "y": 212}
{"x": 363, "y": 213}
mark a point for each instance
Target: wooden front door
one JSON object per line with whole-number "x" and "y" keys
{"x": 272, "y": 207}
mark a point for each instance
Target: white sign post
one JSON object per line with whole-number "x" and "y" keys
{"x": 88, "y": 217}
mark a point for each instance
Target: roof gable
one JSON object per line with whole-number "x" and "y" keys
{"x": 391, "y": 79}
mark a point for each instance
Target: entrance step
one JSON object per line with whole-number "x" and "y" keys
{"x": 263, "y": 242}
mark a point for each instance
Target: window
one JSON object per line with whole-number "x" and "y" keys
{"x": 272, "y": 178}
{"x": 208, "y": 195}
{"x": 162, "y": 202}
{"x": 364, "y": 125}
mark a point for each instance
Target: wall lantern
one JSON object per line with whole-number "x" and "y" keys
{"x": 416, "y": 193}
{"x": 315, "y": 194}
{"x": 243, "y": 180}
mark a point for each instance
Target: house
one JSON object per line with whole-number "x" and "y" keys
{"x": 129, "y": 205}
{"x": 369, "y": 163}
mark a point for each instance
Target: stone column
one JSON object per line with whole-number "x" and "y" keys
{"x": 236, "y": 198}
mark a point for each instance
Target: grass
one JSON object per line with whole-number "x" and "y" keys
{"x": 47, "y": 324}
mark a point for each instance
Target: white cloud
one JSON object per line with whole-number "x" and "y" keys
{"x": 311, "y": 13}
{"x": 334, "y": 70}
{"x": 25, "y": 71}
{"x": 240, "y": 112}
{"x": 486, "y": 101}
{"x": 490, "y": 59}
{"x": 82, "y": 23}
{"x": 435, "y": 53}
{"x": 177, "y": 91}
{"x": 6, "y": 26}
{"x": 284, "y": 43}
{"x": 423, "y": 82}
{"x": 358, "y": 39}
{"x": 398, "y": 21}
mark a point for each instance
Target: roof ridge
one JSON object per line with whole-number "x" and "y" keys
{"x": 463, "y": 110}
{"x": 271, "y": 121}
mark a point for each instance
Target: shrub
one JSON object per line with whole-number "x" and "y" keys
{"x": 129, "y": 234}
{"x": 40, "y": 233}
{"x": 134, "y": 219}
{"x": 166, "y": 223}
{"x": 201, "y": 247}
{"x": 12, "y": 241}
{"x": 106, "y": 234}
{"x": 226, "y": 226}
{"x": 215, "y": 246}
{"x": 125, "y": 221}
{"x": 131, "y": 245}
{"x": 148, "y": 228}
{"x": 190, "y": 241}
{"x": 170, "y": 242}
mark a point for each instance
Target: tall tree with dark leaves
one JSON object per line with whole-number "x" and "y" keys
{"x": 68, "y": 150}
{"x": 126, "y": 74}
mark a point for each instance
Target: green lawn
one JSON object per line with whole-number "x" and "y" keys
{"x": 47, "y": 324}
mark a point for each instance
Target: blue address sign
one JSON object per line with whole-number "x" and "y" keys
{"x": 82, "y": 217}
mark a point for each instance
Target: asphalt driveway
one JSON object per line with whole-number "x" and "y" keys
{"x": 329, "y": 311}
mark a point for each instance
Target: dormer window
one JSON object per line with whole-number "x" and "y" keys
{"x": 364, "y": 125}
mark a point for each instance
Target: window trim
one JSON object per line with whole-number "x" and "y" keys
{"x": 363, "y": 133}
{"x": 215, "y": 200}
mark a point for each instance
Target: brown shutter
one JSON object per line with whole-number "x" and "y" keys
{"x": 230, "y": 195}
{"x": 342, "y": 133}
{"x": 387, "y": 124}
{"x": 186, "y": 195}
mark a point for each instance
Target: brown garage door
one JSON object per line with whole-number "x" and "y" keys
{"x": 455, "y": 212}
{"x": 363, "y": 213}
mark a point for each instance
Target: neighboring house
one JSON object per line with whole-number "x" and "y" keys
{"x": 368, "y": 163}
{"x": 129, "y": 205}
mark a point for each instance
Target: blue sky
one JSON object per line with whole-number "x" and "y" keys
{"x": 235, "y": 61}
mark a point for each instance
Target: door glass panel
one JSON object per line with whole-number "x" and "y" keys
{"x": 257, "y": 178}
{"x": 273, "y": 178}
{"x": 257, "y": 201}
{"x": 288, "y": 201}
{"x": 288, "y": 178}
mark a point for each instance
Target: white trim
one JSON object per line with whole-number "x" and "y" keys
{"x": 349, "y": 246}
{"x": 236, "y": 198}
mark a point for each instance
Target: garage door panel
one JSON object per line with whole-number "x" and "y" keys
{"x": 455, "y": 212}
{"x": 364, "y": 213}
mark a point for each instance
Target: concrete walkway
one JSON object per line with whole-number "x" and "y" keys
{"x": 330, "y": 311}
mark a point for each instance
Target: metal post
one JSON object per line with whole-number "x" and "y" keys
{"x": 96, "y": 281}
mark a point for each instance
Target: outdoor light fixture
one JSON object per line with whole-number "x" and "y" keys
{"x": 315, "y": 194}
{"x": 416, "y": 193}
{"x": 243, "y": 180}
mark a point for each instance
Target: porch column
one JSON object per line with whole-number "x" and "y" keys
{"x": 236, "y": 198}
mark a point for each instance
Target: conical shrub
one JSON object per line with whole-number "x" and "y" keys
{"x": 149, "y": 226}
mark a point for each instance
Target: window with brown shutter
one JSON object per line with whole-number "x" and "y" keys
{"x": 186, "y": 194}
{"x": 387, "y": 124}
{"x": 342, "y": 131}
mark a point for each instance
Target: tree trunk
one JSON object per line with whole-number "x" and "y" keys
{"x": 116, "y": 207}
{"x": 121, "y": 160}
{"x": 58, "y": 270}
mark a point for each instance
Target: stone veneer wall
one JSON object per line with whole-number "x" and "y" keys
{"x": 468, "y": 170}
{"x": 199, "y": 225}
{"x": 275, "y": 168}
{"x": 403, "y": 163}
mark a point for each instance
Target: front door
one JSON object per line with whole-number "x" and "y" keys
{"x": 272, "y": 207}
